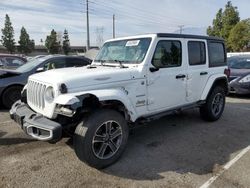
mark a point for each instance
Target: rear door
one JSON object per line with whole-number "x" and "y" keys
{"x": 198, "y": 71}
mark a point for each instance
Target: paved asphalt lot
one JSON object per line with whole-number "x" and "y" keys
{"x": 175, "y": 151}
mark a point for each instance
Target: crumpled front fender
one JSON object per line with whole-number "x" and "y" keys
{"x": 102, "y": 95}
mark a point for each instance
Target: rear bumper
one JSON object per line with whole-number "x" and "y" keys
{"x": 35, "y": 125}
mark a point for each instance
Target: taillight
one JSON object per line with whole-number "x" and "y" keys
{"x": 227, "y": 72}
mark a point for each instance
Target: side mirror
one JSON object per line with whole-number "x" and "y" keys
{"x": 40, "y": 69}
{"x": 153, "y": 69}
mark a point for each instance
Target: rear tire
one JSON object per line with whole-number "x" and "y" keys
{"x": 214, "y": 106}
{"x": 11, "y": 95}
{"x": 100, "y": 139}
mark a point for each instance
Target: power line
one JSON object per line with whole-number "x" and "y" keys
{"x": 145, "y": 18}
{"x": 181, "y": 28}
{"x": 87, "y": 17}
{"x": 138, "y": 18}
{"x": 113, "y": 26}
{"x": 143, "y": 12}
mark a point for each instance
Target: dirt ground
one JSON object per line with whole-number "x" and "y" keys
{"x": 175, "y": 151}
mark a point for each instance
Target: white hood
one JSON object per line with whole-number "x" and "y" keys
{"x": 79, "y": 77}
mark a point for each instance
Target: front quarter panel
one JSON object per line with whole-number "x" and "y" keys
{"x": 102, "y": 95}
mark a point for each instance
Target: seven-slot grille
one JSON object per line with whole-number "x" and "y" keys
{"x": 35, "y": 94}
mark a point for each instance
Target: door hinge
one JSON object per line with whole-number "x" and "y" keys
{"x": 150, "y": 101}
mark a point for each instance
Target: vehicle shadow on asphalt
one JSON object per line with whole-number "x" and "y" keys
{"x": 3, "y": 110}
{"x": 182, "y": 144}
{"x": 239, "y": 96}
{"x": 13, "y": 141}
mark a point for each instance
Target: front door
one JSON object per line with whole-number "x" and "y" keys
{"x": 166, "y": 84}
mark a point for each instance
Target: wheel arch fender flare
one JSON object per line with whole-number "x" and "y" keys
{"x": 212, "y": 81}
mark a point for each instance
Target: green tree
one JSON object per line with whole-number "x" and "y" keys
{"x": 239, "y": 36}
{"x": 66, "y": 42}
{"x": 52, "y": 44}
{"x": 25, "y": 44}
{"x": 229, "y": 19}
{"x": 224, "y": 22}
{"x": 8, "y": 40}
{"x": 215, "y": 30}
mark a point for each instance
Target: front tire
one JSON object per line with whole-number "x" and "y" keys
{"x": 100, "y": 139}
{"x": 11, "y": 95}
{"x": 214, "y": 106}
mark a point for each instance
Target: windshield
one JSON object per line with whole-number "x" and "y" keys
{"x": 29, "y": 65}
{"x": 239, "y": 62}
{"x": 125, "y": 51}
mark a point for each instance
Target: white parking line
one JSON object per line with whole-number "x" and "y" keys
{"x": 226, "y": 167}
{"x": 5, "y": 122}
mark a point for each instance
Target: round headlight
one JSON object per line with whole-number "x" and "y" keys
{"x": 49, "y": 94}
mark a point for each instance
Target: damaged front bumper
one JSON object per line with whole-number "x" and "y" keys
{"x": 35, "y": 125}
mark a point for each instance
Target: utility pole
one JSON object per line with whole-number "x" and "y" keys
{"x": 87, "y": 16}
{"x": 113, "y": 26}
{"x": 181, "y": 28}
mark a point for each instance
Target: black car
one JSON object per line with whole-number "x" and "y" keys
{"x": 239, "y": 80}
{"x": 12, "y": 81}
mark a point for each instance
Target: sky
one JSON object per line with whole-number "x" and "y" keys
{"x": 132, "y": 17}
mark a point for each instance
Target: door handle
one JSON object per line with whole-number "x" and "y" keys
{"x": 179, "y": 76}
{"x": 203, "y": 73}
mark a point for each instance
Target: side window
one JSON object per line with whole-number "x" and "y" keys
{"x": 196, "y": 53}
{"x": 55, "y": 63}
{"x": 167, "y": 54}
{"x": 18, "y": 62}
{"x": 76, "y": 62}
{"x": 13, "y": 61}
{"x": 2, "y": 62}
{"x": 217, "y": 55}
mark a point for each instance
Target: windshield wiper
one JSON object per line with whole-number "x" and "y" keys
{"x": 120, "y": 63}
{"x": 101, "y": 61}
{"x": 104, "y": 61}
{"x": 117, "y": 61}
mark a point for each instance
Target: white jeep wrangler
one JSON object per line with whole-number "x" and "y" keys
{"x": 132, "y": 80}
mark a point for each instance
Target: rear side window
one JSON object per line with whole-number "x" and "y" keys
{"x": 196, "y": 53}
{"x": 217, "y": 55}
{"x": 167, "y": 54}
{"x": 76, "y": 62}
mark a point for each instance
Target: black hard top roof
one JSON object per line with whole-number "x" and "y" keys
{"x": 173, "y": 35}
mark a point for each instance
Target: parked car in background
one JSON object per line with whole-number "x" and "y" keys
{"x": 12, "y": 81}
{"x": 239, "y": 80}
{"x": 8, "y": 61}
